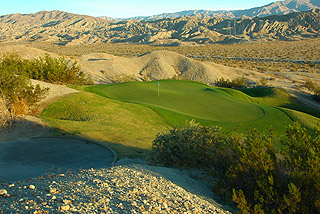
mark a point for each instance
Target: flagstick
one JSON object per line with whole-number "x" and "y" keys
{"x": 158, "y": 89}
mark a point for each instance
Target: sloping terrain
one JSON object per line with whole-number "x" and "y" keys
{"x": 105, "y": 68}
{"x": 127, "y": 116}
{"x": 24, "y": 51}
{"x": 65, "y": 28}
{"x": 132, "y": 188}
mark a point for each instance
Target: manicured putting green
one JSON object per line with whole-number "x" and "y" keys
{"x": 186, "y": 97}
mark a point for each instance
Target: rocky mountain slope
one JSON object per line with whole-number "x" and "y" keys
{"x": 65, "y": 28}
{"x": 275, "y": 8}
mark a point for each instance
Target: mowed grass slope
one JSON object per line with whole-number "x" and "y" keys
{"x": 182, "y": 101}
{"x": 128, "y": 116}
{"x": 185, "y": 97}
{"x": 127, "y": 128}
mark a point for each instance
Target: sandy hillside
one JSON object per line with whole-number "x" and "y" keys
{"x": 104, "y": 68}
{"x": 24, "y": 51}
{"x": 55, "y": 91}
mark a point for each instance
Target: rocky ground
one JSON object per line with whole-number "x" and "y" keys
{"x": 126, "y": 188}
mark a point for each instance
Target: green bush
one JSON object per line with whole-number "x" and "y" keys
{"x": 256, "y": 179}
{"x": 48, "y": 69}
{"x": 302, "y": 165}
{"x": 260, "y": 178}
{"x": 56, "y": 70}
{"x": 190, "y": 146}
{"x": 15, "y": 86}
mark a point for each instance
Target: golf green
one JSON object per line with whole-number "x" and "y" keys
{"x": 185, "y": 97}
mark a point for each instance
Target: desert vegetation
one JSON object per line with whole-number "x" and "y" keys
{"x": 239, "y": 82}
{"x": 48, "y": 69}
{"x": 18, "y": 95}
{"x": 292, "y": 56}
{"x": 314, "y": 88}
{"x": 260, "y": 175}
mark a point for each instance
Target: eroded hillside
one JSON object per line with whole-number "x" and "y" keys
{"x": 65, "y": 28}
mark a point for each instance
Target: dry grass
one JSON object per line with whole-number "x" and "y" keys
{"x": 289, "y": 50}
{"x": 5, "y": 116}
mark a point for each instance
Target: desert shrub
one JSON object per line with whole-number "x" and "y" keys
{"x": 15, "y": 86}
{"x": 256, "y": 177}
{"x": 49, "y": 69}
{"x": 312, "y": 86}
{"x": 124, "y": 78}
{"x": 263, "y": 82}
{"x": 5, "y": 116}
{"x": 56, "y": 70}
{"x": 259, "y": 177}
{"x": 302, "y": 165}
{"x": 190, "y": 146}
{"x": 238, "y": 82}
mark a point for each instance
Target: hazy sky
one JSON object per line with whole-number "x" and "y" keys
{"x": 123, "y": 8}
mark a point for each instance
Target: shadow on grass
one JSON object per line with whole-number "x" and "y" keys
{"x": 258, "y": 92}
{"x": 294, "y": 103}
{"x": 123, "y": 151}
{"x": 186, "y": 179}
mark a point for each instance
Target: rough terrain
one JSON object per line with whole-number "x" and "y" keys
{"x": 132, "y": 188}
{"x": 63, "y": 28}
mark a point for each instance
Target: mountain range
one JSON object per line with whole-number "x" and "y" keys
{"x": 275, "y": 8}
{"x": 64, "y": 28}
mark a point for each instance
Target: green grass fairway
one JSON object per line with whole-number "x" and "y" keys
{"x": 127, "y": 128}
{"x": 128, "y": 116}
{"x": 189, "y": 98}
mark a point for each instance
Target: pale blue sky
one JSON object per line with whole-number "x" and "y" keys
{"x": 124, "y": 8}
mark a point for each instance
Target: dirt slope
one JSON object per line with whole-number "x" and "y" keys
{"x": 24, "y": 51}
{"x": 105, "y": 68}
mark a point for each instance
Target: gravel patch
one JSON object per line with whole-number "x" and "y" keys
{"x": 132, "y": 188}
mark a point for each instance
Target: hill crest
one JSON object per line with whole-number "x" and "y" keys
{"x": 65, "y": 28}
{"x": 274, "y": 8}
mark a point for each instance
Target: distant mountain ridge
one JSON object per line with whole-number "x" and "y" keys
{"x": 275, "y": 8}
{"x": 66, "y": 28}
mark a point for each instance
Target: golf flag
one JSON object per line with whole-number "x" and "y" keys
{"x": 158, "y": 83}
{"x": 158, "y": 89}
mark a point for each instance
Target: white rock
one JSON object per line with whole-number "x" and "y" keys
{"x": 3, "y": 192}
{"x": 32, "y": 187}
{"x": 66, "y": 201}
{"x": 65, "y": 208}
{"x": 53, "y": 190}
